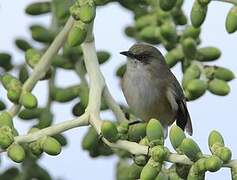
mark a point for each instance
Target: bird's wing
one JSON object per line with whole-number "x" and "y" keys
{"x": 183, "y": 119}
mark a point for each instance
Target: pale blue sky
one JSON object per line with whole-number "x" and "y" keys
{"x": 209, "y": 112}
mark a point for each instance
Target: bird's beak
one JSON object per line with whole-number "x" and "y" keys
{"x": 127, "y": 53}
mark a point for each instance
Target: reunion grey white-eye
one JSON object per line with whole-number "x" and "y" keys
{"x": 151, "y": 90}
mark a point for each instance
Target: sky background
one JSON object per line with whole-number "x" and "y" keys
{"x": 208, "y": 113}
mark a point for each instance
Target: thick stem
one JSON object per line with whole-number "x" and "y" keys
{"x": 45, "y": 62}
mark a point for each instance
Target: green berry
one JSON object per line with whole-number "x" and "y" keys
{"x": 196, "y": 88}
{"x": 231, "y": 23}
{"x": 16, "y": 153}
{"x": 77, "y": 34}
{"x": 103, "y": 56}
{"x": 22, "y": 44}
{"x": 218, "y": 87}
{"x": 198, "y": 14}
{"x": 150, "y": 170}
{"x": 154, "y": 132}
{"x": 167, "y": 5}
{"x": 38, "y": 8}
{"x": 190, "y": 148}
{"x": 6, "y": 119}
{"x": 176, "y": 136}
{"x": 209, "y": 53}
{"x": 213, "y": 163}
{"x": 87, "y": 13}
{"x": 224, "y": 74}
{"x": 28, "y": 100}
{"x": 32, "y": 57}
{"x": 189, "y": 47}
{"x": 109, "y": 131}
{"x": 137, "y": 131}
{"x": 51, "y": 146}
{"x": 6, "y": 137}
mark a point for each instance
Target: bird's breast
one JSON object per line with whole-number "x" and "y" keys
{"x": 146, "y": 97}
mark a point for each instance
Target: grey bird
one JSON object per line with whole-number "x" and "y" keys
{"x": 151, "y": 90}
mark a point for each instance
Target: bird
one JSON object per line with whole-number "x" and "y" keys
{"x": 151, "y": 89}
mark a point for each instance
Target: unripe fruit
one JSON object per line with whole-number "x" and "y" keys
{"x": 198, "y": 14}
{"x": 22, "y": 44}
{"x": 218, "y": 87}
{"x": 103, "y": 56}
{"x": 45, "y": 119}
{"x": 109, "y": 131}
{"x": 38, "y": 8}
{"x": 208, "y": 54}
{"x": 191, "y": 32}
{"x": 28, "y": 100}
{"x": 10, "y": 82}
{"x": 215, "y": 137}
{"x": 13, "y": 94}
{"x": 134, "y": 171}
{"x": 90, "y": 140}
{"x": 150, "y": 34}
{"x": 145, "y": 21}
{"x": 213, "y": 163}
{"x": 150, "y": 170}
{"x": 35, "y": 148}
{"x": 121, "y": 70}
{"x": 223, "y": 153}
{"x": 182, "y": 170}
{"x": 6, "y": 137}
{"x": 23, "y": 74}
{"x": 78, "y": 109}
{"x": 28, "y": 114}
{"x": 77, "y": 34}
{"x": 123, "y": 127}
{"x": 2, "y": 105}
{"x": 87, "y": 12}
{"x": 174, "y": 56}
{"x": 176, "y": 136}
{"x": 168, "y": 32}
{"x": 159, "y": 153}
{"x": 224, "y": 74}
{"x": 231, "y": 23}
{"x": 61, "y": 139}
{"x": 140, "y": 160}
{"x": 6, "y": 119}
{"x": 130, "y": 31}
{"x": 204, "y": 2}
{"x": 189, "y": 48}
{"x": 167, "y": 5}
{"x": 162, "y": 176}
{"x": 32, "y": 57}
{"x": 5, "y": 61}
{"x": 190, "y": 148}
{"x": 154, "y": 132}
{"x": 200, "y": 165}
{"x": 16, "y": 153}
{"x": 65, "y": 94}
{"x": 51, "y": 146}
{"x": 41, "y": 34}
{"x": 137, "y": 131}
{"x": 196, "y": 88}
{"x": 190, "y": 73}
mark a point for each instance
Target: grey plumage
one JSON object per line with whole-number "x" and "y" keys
{"x": 151, "y": 90}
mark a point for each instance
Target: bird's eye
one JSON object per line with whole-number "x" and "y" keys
{"x": 141, "y": 57}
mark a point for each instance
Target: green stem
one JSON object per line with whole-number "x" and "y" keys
{"x": 228, "y": 1}
{"x": 45, "y": 62}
